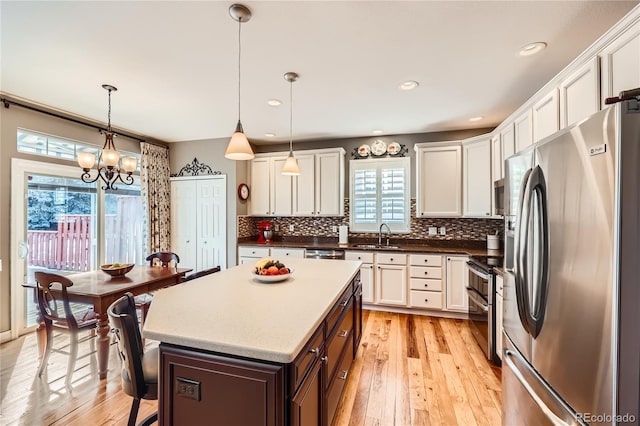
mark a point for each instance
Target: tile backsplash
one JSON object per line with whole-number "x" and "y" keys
{"x": 455, "y": 228}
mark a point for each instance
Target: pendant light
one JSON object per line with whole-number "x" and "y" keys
{"x": 291, "y": 165}
{"x": 239, "y": 148}
{"x": 109, "y": 158}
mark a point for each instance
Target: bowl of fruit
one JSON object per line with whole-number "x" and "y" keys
{"x": 117, "y": 269}
{"x": 269, "y": 270}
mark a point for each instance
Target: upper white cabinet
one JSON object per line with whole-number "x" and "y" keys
{"x": 319, "y": 190}
{"x": 580, "y": 93}
{"x": 523, "y": 130}
{"x": 476, "y": 177}
{"x": 508, "y": 142}
{"x": 438, "y": 180}
{"x": 199, "y": 221}
{"x": 620, "y": 63}
{"x": 270, "y": 189}
{"x": 546, "y": 118}
{"x": 497, "y": 165}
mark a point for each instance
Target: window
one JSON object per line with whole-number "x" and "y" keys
{"x": 380, "y": 193}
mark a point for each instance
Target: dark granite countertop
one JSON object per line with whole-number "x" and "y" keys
{"x": 461, "y": 247}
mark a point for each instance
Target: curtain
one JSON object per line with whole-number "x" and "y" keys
{"x": 156, "y": 197}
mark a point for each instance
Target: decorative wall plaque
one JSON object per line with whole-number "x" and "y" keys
{"x": 196, "y": 168}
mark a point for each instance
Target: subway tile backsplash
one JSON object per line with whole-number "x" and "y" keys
{"x": 456, "y": 228}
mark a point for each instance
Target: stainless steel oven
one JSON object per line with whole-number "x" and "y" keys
{"x": 481, "y": 294}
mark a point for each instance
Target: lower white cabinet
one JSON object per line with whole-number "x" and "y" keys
{"x": 367, "y": 277}
{"x": 425, "y": 281}
{"x": 391, "y": 279}
{"x": 284, "y": 253}
{"x": 498, "y": 310}
{"x": 248, "y": 254}
{"x": 457, "y": 282}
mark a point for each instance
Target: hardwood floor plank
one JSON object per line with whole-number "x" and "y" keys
{"x": 402, "y": 397}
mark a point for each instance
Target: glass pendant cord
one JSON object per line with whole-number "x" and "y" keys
{"x": 291, "y": 118}
{"x": 239, "y": 69}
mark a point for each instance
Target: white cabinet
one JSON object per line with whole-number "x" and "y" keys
{"x": 425, "y": 281}
{"x": 319, "y": 189}
{"x": 391, "y": 279}
{"x": 508, "y": 141}
{"x": 546, "y": 118}
{"x": 367, "y": 277}
{"x": 620, "y": 63}
{"x": 497, "y": 162}
{"x": 199, "y": 221}
{"x": 476, "y": 177}
{"x": 438, "y": 180}
{"x": 283, "y": 253}
{"x": 270, "y": 189}
{"x": 250, "y": 254}
{"x": 498, "y": 310}
{"x": 457, "y": 282}
{"x": 580, "y": 93}
{"x": 523, "y": 131}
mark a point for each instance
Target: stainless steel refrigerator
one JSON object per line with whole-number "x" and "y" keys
{"x": 572, "y": 289}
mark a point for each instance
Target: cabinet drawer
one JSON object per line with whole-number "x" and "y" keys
{"x": 425, "y": 272}
{"x": 253, "y": 251}
{"x": 284, "y": 253}
{"x": 338, "y": 309}
{"x": 335, "y": 388}
{"x": 338, "y": 340}
{"x": 425, "y": 260}
{"x": 359, "y": 255}
{"x": 425, "y": 284}
{"x": 307, "y": 356}
{"x": 426, "y": 299}
{"x": 391, "y": 258}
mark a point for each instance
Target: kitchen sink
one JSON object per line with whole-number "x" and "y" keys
{"x": 375, "y": 246}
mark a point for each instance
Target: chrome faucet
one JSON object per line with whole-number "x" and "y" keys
{"x": 380, "y": 233}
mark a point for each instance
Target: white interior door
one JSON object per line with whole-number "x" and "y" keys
{"x": 212, "y": 223}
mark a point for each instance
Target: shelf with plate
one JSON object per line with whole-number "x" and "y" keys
{"x": 379, "y": 149}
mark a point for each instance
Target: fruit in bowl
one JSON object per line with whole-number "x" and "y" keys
{"x": 267, "y": 266}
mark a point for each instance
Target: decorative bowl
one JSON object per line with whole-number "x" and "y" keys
{"x": 272, "y": 278}
{"x": 117, "y": 269}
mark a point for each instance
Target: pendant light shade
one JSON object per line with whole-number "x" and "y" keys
{"x": 239, "y": 147}
{"x": 291, "y": 165}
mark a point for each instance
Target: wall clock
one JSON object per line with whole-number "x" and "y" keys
{"x": 243, "y": 191}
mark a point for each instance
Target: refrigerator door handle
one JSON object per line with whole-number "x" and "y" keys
{"x": 556, "y": 410}
{"x": 541, "y": 253}
{"x": 520, "y": 272}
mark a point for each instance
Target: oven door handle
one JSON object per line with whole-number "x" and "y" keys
{"x": 474, "y": 296}
{"x": 477, "y": 271}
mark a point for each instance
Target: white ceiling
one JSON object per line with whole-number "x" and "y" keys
{"x": 175, "y": 62}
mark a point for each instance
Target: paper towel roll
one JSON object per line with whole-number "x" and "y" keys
{"x": 343, "y": 234}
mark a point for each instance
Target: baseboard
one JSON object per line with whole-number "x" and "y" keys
{"x": 5, "y": 336}
{"x": 415, "y": 311}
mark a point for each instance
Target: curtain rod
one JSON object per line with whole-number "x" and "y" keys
{"x": 8, "y": 102}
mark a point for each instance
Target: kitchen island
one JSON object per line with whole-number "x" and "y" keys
{"x": 238, "y": 351}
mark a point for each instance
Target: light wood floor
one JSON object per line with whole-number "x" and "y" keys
{"x": 409, "y": 370}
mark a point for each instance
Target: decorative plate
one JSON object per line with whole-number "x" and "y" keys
{"x": 364, "y": 150}
{"x": 378, "y": 147}
{"x": 393, "y": 148}
{"x": 272, "y": 278}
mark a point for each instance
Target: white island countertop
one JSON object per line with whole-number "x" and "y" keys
{"x": 233, "y": 313}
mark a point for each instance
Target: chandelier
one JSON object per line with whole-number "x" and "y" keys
{"x": 109, "y": 159}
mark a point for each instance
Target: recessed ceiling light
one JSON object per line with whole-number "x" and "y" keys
{"x": 269, "y": 135}
{"x": 477, "y": 118}
{"x": 274, "y": 102}
{"x": 532, "y": 48}
{"x": 409, "y": 85}
{"x": 377, "y": 132}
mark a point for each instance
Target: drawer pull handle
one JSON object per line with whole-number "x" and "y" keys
{"x": 343, "y": 333}
{"x": 371, "y": 267}
{"x": 344, "y": 374}
{"x": 426, "y": 285}
{"x": 315, "y": 351}
{"x": 325, "y": 359}
{"x": 345, "y": 303}
{"x": 391, "y": 259}
{"x": 426, "y": 300}
{"x": 425, "y": 261}
{"x": 426, "y": 272}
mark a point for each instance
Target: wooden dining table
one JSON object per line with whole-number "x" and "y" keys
{"x": 101, "y": 290}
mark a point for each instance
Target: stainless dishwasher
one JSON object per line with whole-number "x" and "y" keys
{"x": 324, "y": 254}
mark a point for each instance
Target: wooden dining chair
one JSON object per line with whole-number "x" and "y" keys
{"x": 56, "y": 314}
{"x": 139, "y": 377}
{"x": 164, "y": 258}
{"x": 202, "y": 273}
